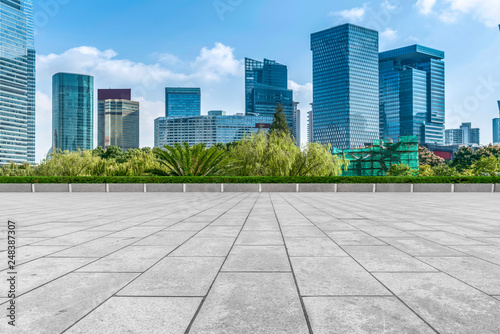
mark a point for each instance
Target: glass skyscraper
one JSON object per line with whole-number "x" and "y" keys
{"x": 266, "y": 86}
{"x": 345, "y": 86}
{"x": 182, "y": 102}
{"x": 72, "y": 112}
{"x": 117, "y": 119}
{"x": 209, "y": 130}
{"x": 496, "y": 128}
{"x": 412, "y": 94}
{"x": 17, "y": 82}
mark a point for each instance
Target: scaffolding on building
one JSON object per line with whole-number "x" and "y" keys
{"x": 376, "y": 159}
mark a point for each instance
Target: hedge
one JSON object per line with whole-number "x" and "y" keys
{"x": 257, "y": 179}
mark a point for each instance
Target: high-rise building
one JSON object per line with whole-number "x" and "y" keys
{"x": 117, "y": 119}
{"x": 182, "y": 102}
{"x": 17, "y": 82}
{"x": 72, "y": 112}
{"x": 209, "y": 130}
{"x": 266, "y": 86}
{"x": 296, "y": 123}
{"x": 345, "y": 86}
{"x": 465, "y": 135}
{"x": 496, "y": 128}
{"x": 310, "y": 125}
{"x": 412, "y": 94}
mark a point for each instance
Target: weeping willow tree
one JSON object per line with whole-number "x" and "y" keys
{"x": 276, "y": 154}
{"x": 185, "y": 160}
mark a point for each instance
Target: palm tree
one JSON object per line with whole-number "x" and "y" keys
{"x": 183, "y": 160}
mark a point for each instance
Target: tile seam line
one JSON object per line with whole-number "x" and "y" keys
{"x": 396, "y": 296}
{"x": 198, "y": 310}
{"x": 297, "y": 289}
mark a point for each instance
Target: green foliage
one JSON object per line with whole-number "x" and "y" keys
{"x": 247, "y": 179}
{"x": 280, "y": 125}
{"x": 466, "y": 156}
{"x": 183, "y": 160}
{"x": 441, "y": 170}
{"x": 12, "y": 169}
{"x": 426, "y": 157}
{"x": 401, "y": 170}
{"x": 275, "y": 154}
{"x": 486, "y": 166}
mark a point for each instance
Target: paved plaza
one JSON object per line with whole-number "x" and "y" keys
{"x": 254, "y": 263}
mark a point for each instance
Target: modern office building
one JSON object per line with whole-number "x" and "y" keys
{"x": 207, "y": 129}
{"x": 182, "y": 102}
{"x": 310, "y": 125}
{"x": 345, "y": 86}
{"x": 465, "y": 135}
{"x": 17, "y": 82}
{"x": 117, "y": 119}
{"x": 412, "y": 94}
{"x": 72, "y": 112}
{"x": 266, "y": 86}
{"x": 296, "y": 123}
{"x": 496, "y": 128}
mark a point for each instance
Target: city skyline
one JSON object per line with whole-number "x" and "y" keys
{"x": 212, "y": 58}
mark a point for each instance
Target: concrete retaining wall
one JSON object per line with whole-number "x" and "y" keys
{"x": 283, "y": 188}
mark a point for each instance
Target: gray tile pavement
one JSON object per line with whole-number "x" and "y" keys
{"x": 255, "y": 263}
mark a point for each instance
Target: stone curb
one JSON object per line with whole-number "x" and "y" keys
{"x": 252, "y": 187}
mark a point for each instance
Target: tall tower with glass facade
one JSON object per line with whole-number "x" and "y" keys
{"x": 496, "y": 128}
{"x": 17, "y": 82}
{"x": 182, "y": 102}
{"x": 117, "y": 119}
{"x": 296, "y": 123}
{"x": 412, "y": 94}
{"x": 72, "y": 112}
{"x": 266, "y": 86}
{"x": 345, "y": 86}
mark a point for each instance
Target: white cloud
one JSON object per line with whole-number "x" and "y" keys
{"x": 425, "y": 6}
{"x": 43, "y": 140}
{"x": 388, "y": 6}
{"x": 449, "y": 11}
{"x": 352, "y": 15}
{"x": 213, "y": 64}
{"x": 389, "y": 34}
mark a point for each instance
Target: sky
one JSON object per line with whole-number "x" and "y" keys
{"x": 148, "y": 45}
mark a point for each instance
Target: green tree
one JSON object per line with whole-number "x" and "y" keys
{"x": 401, "y": 170}
{"x": 275, "y": 154}
{"x": 486, "y": 166}
{"x": 464, "y": 158}
{"x": 280, "y": 123}
{"x": 183, "y": 160}
{"x": 426, "y": 157}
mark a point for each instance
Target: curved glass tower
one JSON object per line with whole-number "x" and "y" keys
{"x": 17, "y": 82}
{"x": 72, "y": 112}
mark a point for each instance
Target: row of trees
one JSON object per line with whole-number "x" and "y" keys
{"x": 259, "y": 154}
{"x": 467, "y": 162}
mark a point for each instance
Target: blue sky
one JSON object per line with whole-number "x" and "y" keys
{"x": 150, "y": 44}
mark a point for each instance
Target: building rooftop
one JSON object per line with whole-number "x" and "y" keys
{"x": 416, "y": 52}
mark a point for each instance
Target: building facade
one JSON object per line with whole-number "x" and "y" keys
{"x": 266, "y": 86}
{"x": 117, "y": 119}
{"x": 17, "y": 82}
{"x": 465, "y": 135}
{"x": 345, "y": 86}
{"x": 209, "y": 130}
{"x": 310, "y": 125}
{"x": 182, "y": 102}
{"x": 72, "y": 112}
{"x": 296, "y": 123}
{"x": 496, "y": 128}
{"x": 412, "y": 94}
